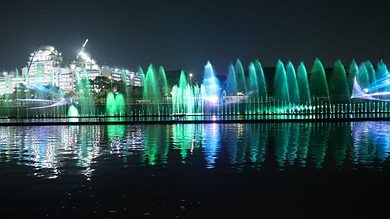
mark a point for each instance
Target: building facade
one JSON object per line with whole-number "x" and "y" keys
{"x": 45, "y": 67}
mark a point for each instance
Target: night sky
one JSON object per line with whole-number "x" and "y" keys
{"x": 185, "y": 34}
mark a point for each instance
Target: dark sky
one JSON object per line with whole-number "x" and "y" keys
{"x": 185, "y": 34}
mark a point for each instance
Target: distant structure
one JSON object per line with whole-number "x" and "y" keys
{"x": 46, "y": 66}
{"x": 84, "y": 64}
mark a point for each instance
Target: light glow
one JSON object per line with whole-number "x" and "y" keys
{"x": 378, "y": 90}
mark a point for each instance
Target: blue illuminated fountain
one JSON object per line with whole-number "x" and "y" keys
{"x": 231, "y": 83}
{"x": 378, "y": 89}
{"x": 211, "y": 85}
{"x": 192, "y": 99}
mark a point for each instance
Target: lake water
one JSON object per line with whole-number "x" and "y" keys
{"x": 275, "y": 170}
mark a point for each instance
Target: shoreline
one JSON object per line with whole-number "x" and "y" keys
{"x": 203, "y": 121}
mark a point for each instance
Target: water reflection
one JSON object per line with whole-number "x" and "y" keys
{"x": 155, "y": 144}
{"x": 50, "y": 147}
{"x": 371, "y": 142}
{"x": 211, "y": 143}
{"x": 54, "y": 150}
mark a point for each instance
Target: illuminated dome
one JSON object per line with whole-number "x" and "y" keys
{"x": 85, "y": 57}
{"x": 46, "y": 53}
{"x": 46, "y": 47}
{"x": 85, "y": 53}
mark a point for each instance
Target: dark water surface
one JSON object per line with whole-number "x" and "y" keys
{"x": 283, "y": 170}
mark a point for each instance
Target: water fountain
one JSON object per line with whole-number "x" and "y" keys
{"x": 115, "y": 104}
{"x": 83, "y": 89}
{"x": 111, "y": 105}
{"x": 338, "y": 84}
{"x": 281, "y": 90}
{"x": 73, "y": 111}
{"x": 240, "y": 76}
{"x": 371, "y": 71}
{"x": 162, "y": 82}
{"x": 211, "y": 84}
{"x": 381, "y": 71}
{"x": 303, "y": 85}
{"x": 182, "y": 97}
{"x": 231, "y": 83}
{"x": 151, "y": 92}
{"x": 262, "y": 84}
{"x": 244, "y": 92}
{"x": 292, "y": 83}
{"x": 253, "y": 82}
{"x": 120, "y": 104}
{"x": 362, "y": 76}
{"x": 318, "y": 81}
{"x": 353, "y": 71}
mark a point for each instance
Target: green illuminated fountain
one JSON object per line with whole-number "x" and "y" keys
{"x": 115, "y": 104}
{"x": 303, "y": 84}
{"x": 240, "y": 76}
{"x": 338, "y": 84}
{"x": 111, "y": 105}
{"x": 353, "y": 72}
{"x": 262, "y": 84}
{"x": 162, "y": 82}
{"x": 120, "y": 104}
{"x": 253, "y": 82}
{"x": 73, "y": 111}
{"x": 371, "y": 71}
{"x": 151, "y": 92}
{"x": 179, "y": 95}
{"x": 318, "y": 82}
{"x": 292, "y": 83}
{"x": 83, "y": 89}
{"x": 281, "y": 90}
{"x": 363, "y": 77}
{"x": 256, "y": 90}
{"x": 186, "y": 98}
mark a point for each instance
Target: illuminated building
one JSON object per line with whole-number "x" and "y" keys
{"x": 8, "y": 82}
{"x": 84, "y": 64}
{"x": 46, "y": 66}
{"x": 131, "y": 78}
